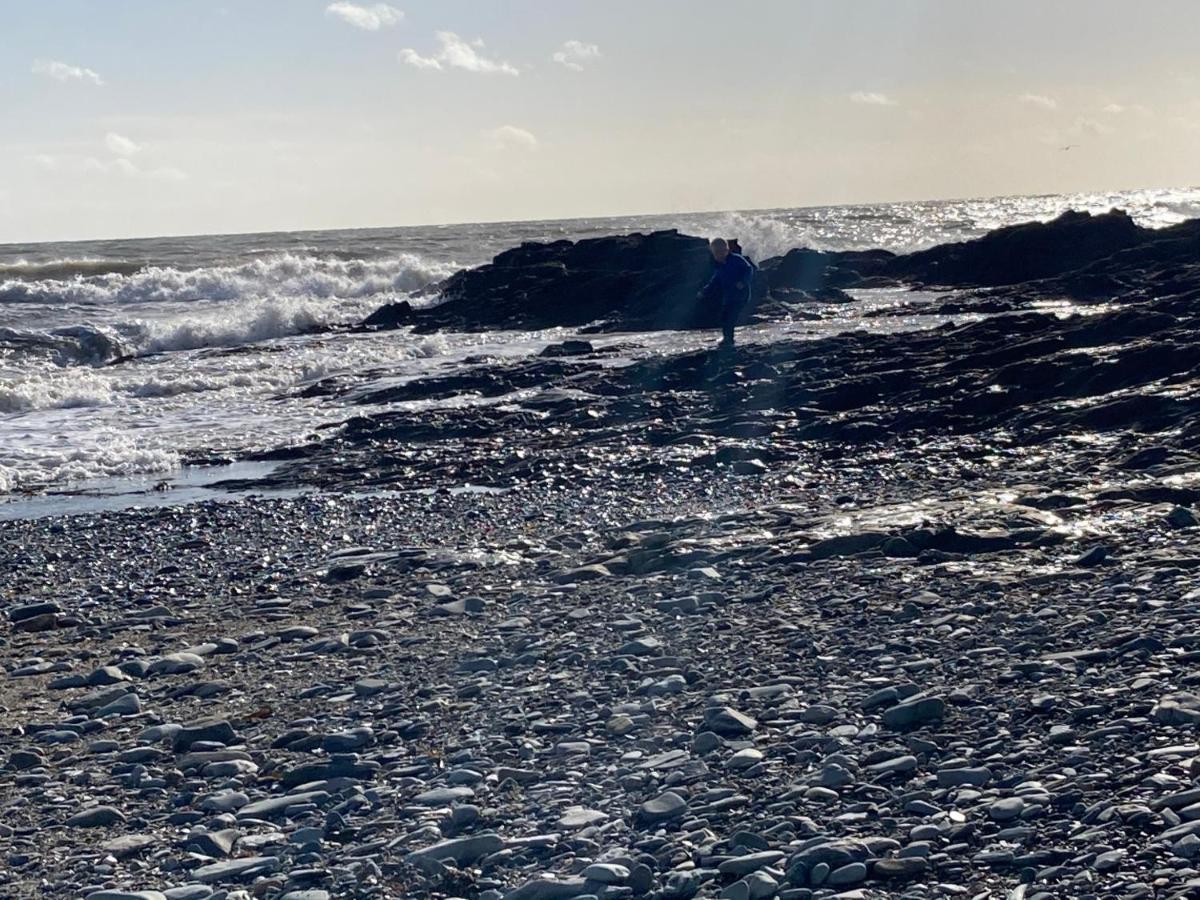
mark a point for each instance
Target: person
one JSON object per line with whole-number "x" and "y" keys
{"x": 732, "y": 282}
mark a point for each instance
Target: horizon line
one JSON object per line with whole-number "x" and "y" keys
{"x": 626, "y": 215}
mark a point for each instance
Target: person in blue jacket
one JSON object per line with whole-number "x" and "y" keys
{"x": 732, "y": 282}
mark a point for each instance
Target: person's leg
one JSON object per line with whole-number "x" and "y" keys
{"x": 729, "y": 319}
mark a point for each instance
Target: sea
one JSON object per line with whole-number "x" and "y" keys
{"x": 124, "y": 359}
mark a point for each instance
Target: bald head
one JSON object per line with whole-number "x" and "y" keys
{"x": 719, "y": 248}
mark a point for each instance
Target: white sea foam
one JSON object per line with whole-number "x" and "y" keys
{"x": 245, "y": 323}
{"x": 763, "y": 236}
{"x": 67, "y": 267}
{"x": 174, "y": 309}
{"x": 101, "y": 453}
{"x": 68, "y": 423}
{"x": 279, "y": 275}
{"x": 64, "y": 389}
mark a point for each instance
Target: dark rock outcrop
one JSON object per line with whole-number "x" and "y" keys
{"x": 631, "y": 282}
{"x": 818, "y": 271}
{"x": 1025, "y": 252}
{"x": 646, "y": 282}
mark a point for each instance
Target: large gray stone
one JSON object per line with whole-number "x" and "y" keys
{"x": 663, "y": 808}
{"x": 914, "y": 713}
{"x": 96, "y": 817}
{"x": 237, "y": 869}
{"x": 463, "y": 850}
{"x": 208, "y": 730}
{"x": 548, "y": 889}
{"x": 176, "y": 664}
{"x": 728, "y": 722}
{"x": 276, "y": 806}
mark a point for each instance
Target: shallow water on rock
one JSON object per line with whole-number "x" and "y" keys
{"x": 191, "y": 484}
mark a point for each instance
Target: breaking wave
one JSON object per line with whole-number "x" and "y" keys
{"x": 279, "y": 275}
{"x": 231, "y": 326}
{"x": 104, "y": 452}
{"x": 764, "y": 236}
{"x": 220, "y": 306}
{"x": 68, "y": 268}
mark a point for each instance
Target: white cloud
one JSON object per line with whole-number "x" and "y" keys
{"x": 121, "y": 166}
{"x": 124, "y": 166}
{"x": 1091, "y": 127}
{"x": 91, "y": 164}
{"x": 369, "y": 18}
{"x": 509, "y": 137}
{"x": 1039, "y": 100}
{"x": 455, "y": 53}
{"x": 872, "y": 98}
{"x": 121, "y": 145}
{"x": 61, "y": 71}
{"x": 167, "y": 173}
{"x": 1114, "y": 109}
{"x": 574, "y": 53}
{"x": 413, "y": 58}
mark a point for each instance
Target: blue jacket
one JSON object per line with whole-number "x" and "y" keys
{"x": 734, "y": 280}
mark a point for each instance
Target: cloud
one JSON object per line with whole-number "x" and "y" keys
{"x": 61, "y": 71}
{"x": 368, "y": 18}
{"x": 124, "y": 166}
{"x": 1091, "y": 128}
{"x": 413, "y": 58}
{"x": 574, "y": 53}
{"x": 167, "y": 173}
{"x": 510, "y": 137}
{"x": 129, "y": 169}
{"x": 101, "y": 167}
{"x": 121, "y": 166}
{"x": 121, "y": 145}
{"x": 872, "y": 98}
{"x": 1039, "y": 100}
{"x": 1114, "y": 109}
{"x": 455, "y": 53}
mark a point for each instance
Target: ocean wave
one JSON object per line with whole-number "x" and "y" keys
{"x": 278, "y": 275}
{"x": 762, "y": 235}
{"x": 25, "y": 389}
{"x": 104, "y": 453}
{"x": 68, "y": 345}
{"x": 68, "y": 268}
{"x": 227, "y": 326}
{"x": 82, "y": 388}
{"x": 244, "y": 323}
{"x": 262, "y": 300}
{"x": 46, "y": 391}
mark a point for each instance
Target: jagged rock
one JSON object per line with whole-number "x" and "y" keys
{"x": 631, "y": 282}
{"x": 1023, "y": 252}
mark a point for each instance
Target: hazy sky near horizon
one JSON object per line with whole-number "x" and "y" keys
{"x": 148, "y": 117}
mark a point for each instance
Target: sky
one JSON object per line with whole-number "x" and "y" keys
{"x": 131, "y": 118}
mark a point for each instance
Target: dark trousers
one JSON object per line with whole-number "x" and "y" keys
{"x": 731, "y": 311}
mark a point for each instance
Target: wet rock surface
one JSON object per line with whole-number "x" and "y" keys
{"x": 906, "y": 615}
{"x": 642, "y": 282}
